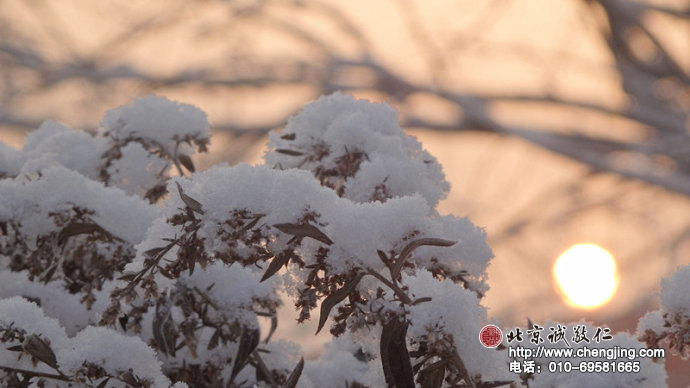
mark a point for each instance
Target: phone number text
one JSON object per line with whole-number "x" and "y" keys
{"x": 595, "y": 366}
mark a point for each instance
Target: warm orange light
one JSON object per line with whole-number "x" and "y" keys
{"x": 586, "y": 275}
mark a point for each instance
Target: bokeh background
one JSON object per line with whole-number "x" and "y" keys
{"x": 557, "y": 122}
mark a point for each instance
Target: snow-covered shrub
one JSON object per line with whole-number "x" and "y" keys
{"x": 670, "y": 325}
{"x": 37, "y": 347}
{"x": 134, "y": 150}
{"x": 59, "y": 226}
{"x": 143, "y": 279}
{"x": 357, "y": 148}
{"x": 144, "y": 138}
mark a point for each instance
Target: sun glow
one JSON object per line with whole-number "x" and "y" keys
{"x": 586, "y": 275}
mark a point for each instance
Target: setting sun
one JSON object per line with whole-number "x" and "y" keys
{"x": 586, "y": 275}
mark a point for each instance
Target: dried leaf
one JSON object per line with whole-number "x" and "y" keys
{"x": 163, "y": 271}
{"x": 202, "y": 143}
{"x": 153, "y": 252}
{"x": 213, "y": 342}
{"x": 289, "y": 152}
{"x": 252, "y": 223}
{"x": 295, "y": 375}
{"x": 411, "y": 246}
{"x": 129, "y": 276}
{"x": 189, "y": 201}
{"x": 494, "y": 384}
{"x": 462, "y": 370}
{"x": 13, "y": 381}
{"x": 163, "y": 334}
{"x": 421, "y": 300}
{"x": 123, "y": 321}
{"x": 304, "y": 230}
{"x": 276, "y": 264}
{"x": 103, "y": 383}
{"x": 192, "y": 263}
{"x": 186, "y": 161}
{"x": 395, "y": 360}
{"x": 155, "y": 192}
{"x": 158, "y": 338}
{"x": 432, "y": 376}
{"x": 274, "y": 326}
{"x": 336, "y": 298}
{"x": 129, "y": 378}
{"x": 48, "y": 274}
{"x": 383, "y": 257}
{"x": 76, "y": 228}
{"x": 249, "y": 340}
{"x": 39, "y": 349}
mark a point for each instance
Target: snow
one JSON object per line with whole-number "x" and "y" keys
{"x": 281, "y": 355}
{"x": 337, "y": 365}
{"x": 471, "y": 253}
{"x": 357, "y": 229}
{"x": 11, "y": 160}
{"x": 457, "y": 312}
{"x": 675, "y": 301}
{"x": 233, "y": 289}
{"x": 104, "y": 347}
{"x": 137, "y": 170}
{"x": 54, "y": 144}
{"x": 361, "y": 229}
{"x": 55, "y": 301}
{"x": 653, "y": 320}
{"x": 674, "y": 291}
{"x": 114, "y": 352}
{"x": 28, "y": 317}
{"x": 335, "y": 126}
{"x": 156, "y": 118}
{"x": 116, "y": 153}
{"x": 57, "y": 189}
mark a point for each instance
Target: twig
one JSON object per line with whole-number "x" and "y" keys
{"x": 31, "y": 373}
{"x": 398, "y": 291}
{"x": 267, "y": 372}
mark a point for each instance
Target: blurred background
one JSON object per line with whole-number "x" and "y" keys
{"x": 557, "y": 122}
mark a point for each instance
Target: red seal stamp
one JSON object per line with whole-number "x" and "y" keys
{"x": 490, "y": 336}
